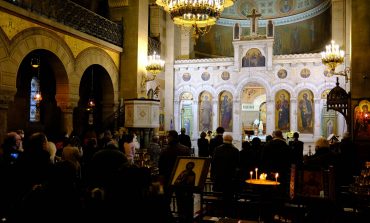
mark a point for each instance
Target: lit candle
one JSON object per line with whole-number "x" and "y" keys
{"x": 251, "y": 173}
{"x": 276, "y": 177}
{"x": 256, "y": 173}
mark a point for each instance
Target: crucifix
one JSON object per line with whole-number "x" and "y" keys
{"x": 254, "y": 21}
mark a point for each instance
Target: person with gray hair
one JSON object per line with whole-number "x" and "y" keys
{"x": 323, "y": 156}
{"x": 154, "y": 150}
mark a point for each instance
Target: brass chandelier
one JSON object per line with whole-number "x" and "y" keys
{"x": 197, "y": 14}
{"x": 333, "y": 57}
{"x": 154, "y": 65}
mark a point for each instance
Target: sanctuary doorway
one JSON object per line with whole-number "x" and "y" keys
{"x": 253, "y": 111}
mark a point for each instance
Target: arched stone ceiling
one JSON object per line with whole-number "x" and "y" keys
{"x": 280, "y": 11}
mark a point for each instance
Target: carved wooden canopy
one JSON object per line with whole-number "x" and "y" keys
{"x": 339, "y": 100}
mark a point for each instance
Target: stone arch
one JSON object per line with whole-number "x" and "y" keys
{"x": 184, "y": 89}
{"x": 93, "y": 55}
{"x": 282, "y": 86}
{"x": 4, "y": 43}
{"x": 38, "y": 38}
{"x": 258, "y": 80}
{"x": 227, "y": 87}
{"x": 208, "y": 88}
{"x": 308, "y": 86}
{"x": 321, "y": 88}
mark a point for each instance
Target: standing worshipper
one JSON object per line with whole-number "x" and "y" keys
{"x": 296, "y": 150}
{"x": 154, "y": 150}
{"x": 209, "y": 136}
{"x": 275, "y": 156}
{"x": 224, "y": 171}
{"x": 167, "y": 160}
{"x": 217, "y": 140}
{"x": 247, "y": 160}
{"x": 184, "y": 139}
{"x": 34, "y": 169}
{"x": 129, "y": 148}
{"x": 203, "y": 145}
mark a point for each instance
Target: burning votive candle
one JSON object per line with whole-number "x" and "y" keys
{"x": 263, "y": 176}
{"x": 276, "y": 177}
{"x": 256, "y": 173}
{"x": 251, "y": 173}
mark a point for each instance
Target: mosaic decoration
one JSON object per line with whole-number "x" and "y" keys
{"x": 282, "y": 73}
{"x": 186, "y": 77}
{"x": 225, "y": 75}
{"x": 305, "y": 73}
{"x": 205, "y": 76}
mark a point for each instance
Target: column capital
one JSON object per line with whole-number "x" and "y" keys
{"x": 6, "y": 97}
{"x": 67, "y": 107}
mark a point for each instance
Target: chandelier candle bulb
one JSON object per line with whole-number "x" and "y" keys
{"x": 276, "y": 177}
{"x": 251, "y": 173}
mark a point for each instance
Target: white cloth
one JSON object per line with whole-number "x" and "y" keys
{"x": 129, "y": 151}
{"x": 136, "y": 143}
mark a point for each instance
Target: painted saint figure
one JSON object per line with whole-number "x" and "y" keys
{"x": 270, "y": 29}
{"x": 362, "y": 124}
{"x": 236, "y": 31}
{"x": 285, "y": 6}
{"x": 206, "y": 114}
{"x": 282, "y": 106}
{"x": 187, "y": 176}
{"x": 226, "y": 113}
{"x": 305, "y": 107}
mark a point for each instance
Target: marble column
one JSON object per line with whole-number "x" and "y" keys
{"x": 215, "y": 114}
{"x": 177, "y": 116}
{"x": 4, "y": 105}
{"x": 196, "y": 133}
{"x": 170, "y": 55}
{"x": 5, "y": 99}
{"x": 237, "y": 126}
{"x": 317, "y": 119}
{"x": 293, "y": 115}
{"x": 270, "y": 116}
{"x": 67, "y": 116}
{"x": 341, "y": 124}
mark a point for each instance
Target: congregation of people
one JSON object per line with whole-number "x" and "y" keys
{"x": 96, "y": 178}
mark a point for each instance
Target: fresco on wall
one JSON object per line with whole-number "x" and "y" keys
{"x": 205, "y": 111}
{"x": 309, "y": 36}
{"x": 362, "y": 120}
{"x": 328, "y": 122}
{"x": 187, "y": 117}
{"x": 253, "y": 58}
{"x": 305, "y": 112}
{"x": 226, "y": 111}
{"x": 187, "y": 112}
{"x": 269, "y": 8}
{"x": 282, "y": 110}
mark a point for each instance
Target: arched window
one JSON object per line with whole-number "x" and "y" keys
{"x": 34, "y": 104}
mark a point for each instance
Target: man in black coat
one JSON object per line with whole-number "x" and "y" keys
{"x": 217, "y": 140}
{"x": 275, "y": 156}
{"x": 184, "y": 139}
{"x": 166, "y": 163}
{"x": 224, "y": 171}
{"x": 296, "y": 150}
